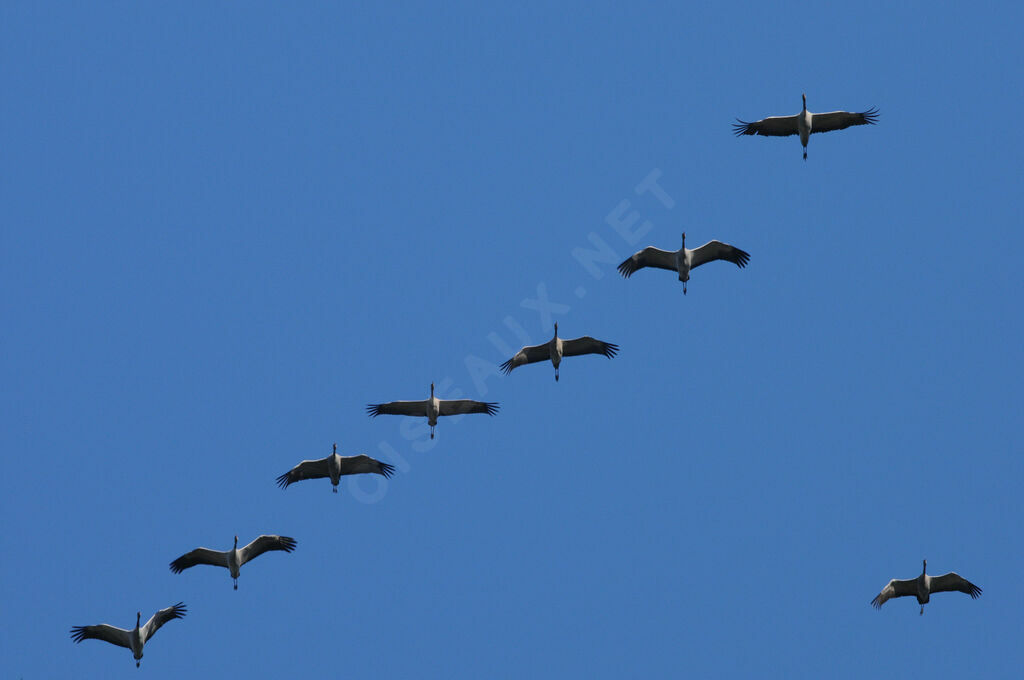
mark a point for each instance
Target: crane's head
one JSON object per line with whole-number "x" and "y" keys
{"x": 431, "y": 389}
{"x": 138, "y": 618}
{"x": 556, "y": 328}
{"x": 804, "y": 97}
{"x": 335, "y": 447}
{"x": 924, "y": 566}
{"x": 684, "y": 238}
{"x": 236, "y": 540}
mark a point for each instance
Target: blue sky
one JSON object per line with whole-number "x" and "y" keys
{"x": 227, "y": 229}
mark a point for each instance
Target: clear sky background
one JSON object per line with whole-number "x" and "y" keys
{"x": 227, "y": 227}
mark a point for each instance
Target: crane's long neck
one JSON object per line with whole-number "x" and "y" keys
{"x": 924, "y": 567}
{"x": 136, "y": 640}
{"x": 804, "y": 97}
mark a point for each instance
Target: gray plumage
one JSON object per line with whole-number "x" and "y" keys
{"x": 683, "y": 260}
{"x": 923, "y": 586}
{"x": 334, "y": 467}
{"x": 556, "y": 348}
{"x": 134, "y": 639}
{"x": 805, "y": 123}
{"x": 233, "y": 559}
{"x": 432, "y": 408}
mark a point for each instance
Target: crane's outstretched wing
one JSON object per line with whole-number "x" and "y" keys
{"x": 648, "y": 257}
{"x": 214, "y": 558}
{"x": 775, "y": 126}
{"x": 527, "y": 355}
{"x": 895, "y": 588}
{"x": 106, "y": 632}
{"x": 588, "y": 345}
{"x": 307, "y": 469}
{"x": 954, "y": 581}
{"x": 716, "y": 250}
{"x": 455, "y": 407}
{"x": 363, "y": 464}
{"x": 398, "y": 408}
{"x": 840, "y": 120}
{"x": 176, "y": 611}
{"x": 263, "y": 544}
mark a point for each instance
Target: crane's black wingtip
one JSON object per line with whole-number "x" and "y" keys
{"x": 611, "y": 349}
{"x": 626, "y": 268}
{"x": 78, "y": 633}
{"x": 491, "y": 407}
{"x": 507, "y": 367}
{"x": 288, "y": 543}
{"x": 742, "y": 127}
{"x": 283, "y": 481}
{"x": 387, "y": 470}
{"x": 373, "y": 410}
